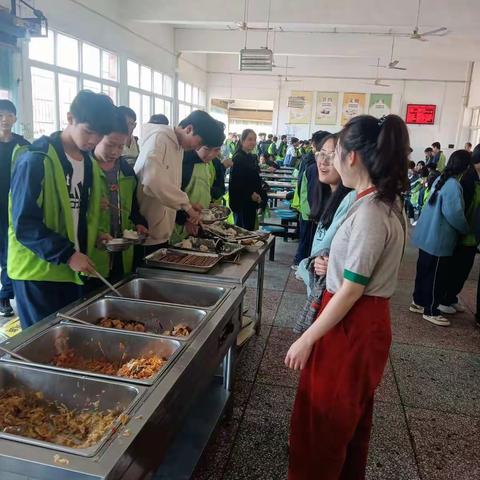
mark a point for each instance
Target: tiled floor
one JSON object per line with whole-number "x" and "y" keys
{"x": 427, "y": 410}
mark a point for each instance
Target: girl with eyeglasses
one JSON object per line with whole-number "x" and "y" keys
{"x": 333, "y": 210}
{"x": 343, "y": 354}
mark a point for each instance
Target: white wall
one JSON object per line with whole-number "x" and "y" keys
{"x": 447, "y": 95}
{"x": 474, "y": 97}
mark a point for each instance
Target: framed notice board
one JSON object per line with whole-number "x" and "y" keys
{"x": 420, "y": 114}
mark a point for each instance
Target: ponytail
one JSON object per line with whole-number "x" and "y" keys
{"x": 384, "y": 147}
{"x": 458, "y": 163}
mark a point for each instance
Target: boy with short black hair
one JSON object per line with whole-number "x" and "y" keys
{"x": 159, "y": 172}
{"x": 51, "y": 226}
{"x": 8, "y": 142}
{"x": 439, "y": 158}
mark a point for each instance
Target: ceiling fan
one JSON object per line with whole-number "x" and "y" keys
{"x": 393, "y": 64}
{"x": 378, "y": 81}
{"x": 243, "y": 25}
{"x": 417, "y": 35}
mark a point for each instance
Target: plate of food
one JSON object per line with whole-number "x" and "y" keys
{"x": 228, "y": 232}
{"x": 117, "y": 245}
{"x": 134, "y": 237}
{"x": 214, "y": 214}
{"x": 252, "y": 245}
{"x": 208, "y": 245}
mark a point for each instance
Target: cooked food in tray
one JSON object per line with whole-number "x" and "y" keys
{"x": 179, "y": 258}
{"x": 139, "y": 368}
{"x": 180, "y": 330}
{"x": 111, "y": 322}
{"x": 207, "y": 245}
{"x": 28, "y": 414}
{"x": 215, "y": 214}
{"x": 227, "y": 231}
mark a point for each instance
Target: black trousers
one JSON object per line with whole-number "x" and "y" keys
{"x": 430, "y": 281}
{"x": 37, "y": 300}
{"x": 306, "y": 234}
{"x": 246, "y": 218}
{"x": 461, "y": 264}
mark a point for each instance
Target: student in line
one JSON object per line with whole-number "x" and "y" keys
{"x": 291, "y": 157}
{"x": 8, "y": 142}
{"x": 115, "y": 202}
{"x": 51, "y": 193}
{"x": 439, "y": 159}
{"x": 131, "y": 149}
{"x": 343, "y": 354}
{"x": 309, "y": 190}
{"x": 159, "y": 172}
{"x": 465, "y": 251}
{"x": 197, "y": 182}
{"x": 282, "y": 149}
{"x": 246, "y": 194}
{"x": 437, "y": 232}
{"x": 159, "y": 119}
{"x": 333, "y": 209}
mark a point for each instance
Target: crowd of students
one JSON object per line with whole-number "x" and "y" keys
{"x": 67, "y": 194}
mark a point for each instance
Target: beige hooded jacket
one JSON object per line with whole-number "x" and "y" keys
{"x": 159, "y": 172}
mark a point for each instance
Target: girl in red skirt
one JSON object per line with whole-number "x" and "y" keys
{"x": 343, "y": 354}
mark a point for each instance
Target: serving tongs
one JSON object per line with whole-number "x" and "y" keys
{"x": 74, "y": 319}
{"x": 15, "y": 355}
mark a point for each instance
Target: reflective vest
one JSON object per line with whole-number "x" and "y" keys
{"x": 198, "y": 191}
{"x": 126, "y": 189}
{"x": 54, "y": 199}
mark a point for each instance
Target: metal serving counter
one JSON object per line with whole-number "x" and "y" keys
{"x": 228, "y": 274}
{"x": 136, "y": 448}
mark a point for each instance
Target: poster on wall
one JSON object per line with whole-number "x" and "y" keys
{"x": 300, "y": 107}
{"x": 353, "y": 105}
{"x": 327, "y": 105}
{"x": 380, "y": 104}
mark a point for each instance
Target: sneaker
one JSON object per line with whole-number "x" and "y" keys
{"x": 415, "y": 308}
{"x": 437, "y": 320}
{"x": 294, "y": 267}
{"x": 459, "y": 307}
{"x": 6, "y": 309}
{"x": 412, "y": 221}
{"x": 447, "y": 309}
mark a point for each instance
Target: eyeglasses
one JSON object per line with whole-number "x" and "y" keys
{"x": 325, "y": 158}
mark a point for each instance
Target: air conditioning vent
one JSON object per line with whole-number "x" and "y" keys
{"x": 256, "y": 59}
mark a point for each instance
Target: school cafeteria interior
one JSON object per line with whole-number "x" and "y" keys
{"x": 239, "y": 240}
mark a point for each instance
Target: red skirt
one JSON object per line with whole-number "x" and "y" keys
{"x": 332, "y": 415}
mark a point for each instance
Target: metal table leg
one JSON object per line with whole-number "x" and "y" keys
{"x": 258, "y": 309}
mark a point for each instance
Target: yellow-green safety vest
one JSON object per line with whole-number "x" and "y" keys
{"x": 23, "y": 264}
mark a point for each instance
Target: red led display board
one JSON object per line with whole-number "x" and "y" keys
{"x": 421, "y": 114}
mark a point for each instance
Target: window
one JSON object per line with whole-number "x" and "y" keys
{"x": 60, "y": 66}
{"x": 67, "y": 89}
{"x": 133, "y": 74}
{"x": 181, "y": 91}
{"x": 42, "y": 49}
{"x": 109, "y": 66}
{"x": 67, "y": 52}
{"x": 43, "y": 99}
{"x": 91, "y": 60}
{"x": 149, "y": 93}
{"x": 190, "y": 98}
